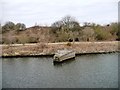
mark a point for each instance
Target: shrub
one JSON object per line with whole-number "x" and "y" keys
{"x": 33, "y": 40}
{"x": 69, "y": 44}
{"x": 88, "y": 34}
{"x": 102, "y": 34}
{"x": 23, "y": 39}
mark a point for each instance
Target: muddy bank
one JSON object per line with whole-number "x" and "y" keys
{"x": 40, "y": 49}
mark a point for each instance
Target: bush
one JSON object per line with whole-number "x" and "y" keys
{"x": 102, "y": 34}
{"x": 88, "y": 34}
{"x": 62, "y": 36}
{"x": 23, "y": 39}
{"x": 33, "y": 40}
{"x": 69, "y": 44}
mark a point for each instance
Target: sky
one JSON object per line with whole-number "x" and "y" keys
{"x": 46, "y": 12}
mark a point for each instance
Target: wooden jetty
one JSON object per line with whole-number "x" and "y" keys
{"x": 62, "y": 55}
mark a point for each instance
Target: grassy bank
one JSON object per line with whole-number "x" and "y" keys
{"x": 50, "y": 48}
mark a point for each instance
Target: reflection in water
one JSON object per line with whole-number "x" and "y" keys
{"x": 86, "y": 71}
{"x": 60, "y": 64}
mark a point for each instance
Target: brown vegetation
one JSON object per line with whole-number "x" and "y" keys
{"x": 51, "y": 48}
{"x": 64, "y": 30}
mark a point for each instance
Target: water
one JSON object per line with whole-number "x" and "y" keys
{"x": 86, "y": 71}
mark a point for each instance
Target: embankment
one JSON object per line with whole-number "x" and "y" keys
{"x": 50, "y": 48}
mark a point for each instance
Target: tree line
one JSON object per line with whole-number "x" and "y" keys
{"x": 63, "y": 30}
{"x": 69, "y": 29}
{"x": 12, "y": 26}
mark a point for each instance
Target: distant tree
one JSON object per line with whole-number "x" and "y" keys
{"x": 0, "y": 34}
{"x": 86, "y": 24}
{"x": 8, "y": 26}
{"x": 67, "y": 20}
{"x": 0, "y": 28}
{"x": 118, "y": 34}
{"x": 56, "y": 26}
{"x": 102, "y": 34}
{"x": 20, "y": 26}
{"x": 88, "y": 34}
{"x": 114, "y": 28}
{"x": 67, "y": 23}
{"x": 66, "y": 26}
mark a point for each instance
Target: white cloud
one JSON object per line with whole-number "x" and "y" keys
{"x": 48, "y": 11}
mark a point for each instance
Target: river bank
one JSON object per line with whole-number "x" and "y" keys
{"x": 39, "y": 49}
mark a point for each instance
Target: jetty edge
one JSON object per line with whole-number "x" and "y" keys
{"x": 62, "y": 55}
{"x": 42, "y": 49}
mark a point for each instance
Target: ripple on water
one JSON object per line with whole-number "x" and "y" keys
{"x": 86, "y": 71}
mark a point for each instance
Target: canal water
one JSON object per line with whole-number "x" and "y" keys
{"x": 85, "y": 71}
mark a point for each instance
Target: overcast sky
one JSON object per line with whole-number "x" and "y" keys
{"x": 45, "y": 12}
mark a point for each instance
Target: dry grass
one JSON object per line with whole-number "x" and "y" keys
{"x": 51, "y": 48}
